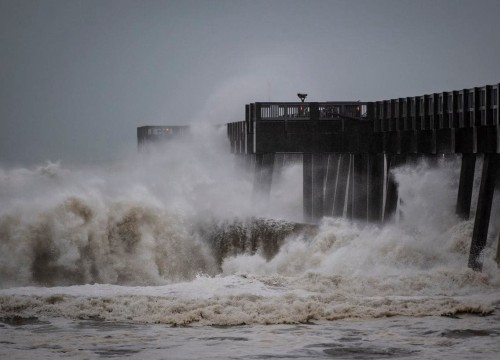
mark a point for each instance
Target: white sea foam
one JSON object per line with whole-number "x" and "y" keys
{"x": 123, "y": 244}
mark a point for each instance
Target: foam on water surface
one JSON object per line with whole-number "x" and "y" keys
{"x": 175, "y": 239}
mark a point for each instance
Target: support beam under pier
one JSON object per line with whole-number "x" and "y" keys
{"x": 349, "y": 191}
{"x": 466, "y": 185}
{"x": 279, "y": 163}
{"x": 307, "y": 186}
{"x": 341, "y": 186}
{"x": 264, "y": 166}
{"x": 360, "y": 187}
{"x": 497, "y": 258}
{"x": 491, "y": 164}
{"x": 320, "y": 162}
{"x": 314, "y": 174}
{"x": 392, "y": 195}
{"x": 376, "y": 167}
{"x": 331, "y": 183}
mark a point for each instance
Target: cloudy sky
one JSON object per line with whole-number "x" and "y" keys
{"x": 78, "y": 76}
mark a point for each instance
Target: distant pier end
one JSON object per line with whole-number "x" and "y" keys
{"x": 159, "y": 134}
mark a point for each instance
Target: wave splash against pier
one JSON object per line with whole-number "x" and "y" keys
{"x": 175, "y": 239}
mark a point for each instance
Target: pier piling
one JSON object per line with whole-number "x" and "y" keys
{"x": 307, "y": 187}
{"x": 360, "y": 187}
{"x": 392, "y": 195}
{"x": 491, "y": 163}
{"x": 465, "y": 186}
{"x": 264, "y": 166}
{"x": 320, "y": 162}
{"x": 341, "y": 186}
{"x": 331, "y": 183}
{"x": 376, "y": 187}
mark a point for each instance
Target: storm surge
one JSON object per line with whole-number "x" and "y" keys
{"x": 173, "y": 237}
{"x": 76, "y": 242}
{"x": 162, "y": 216}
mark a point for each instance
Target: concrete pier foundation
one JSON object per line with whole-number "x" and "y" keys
{"x": 341, "y": 185}
{"x": 264, "y": 166}
{"x": 464, "y": 195}
{"x": 491, "y": 164}
{"x": 307, "y": 187}
{"x": 331, "y": 183}
{"x": 392, "y": 195}
{"x": 376, "y": 181}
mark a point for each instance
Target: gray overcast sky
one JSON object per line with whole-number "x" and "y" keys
{"x": 78, "y": 77}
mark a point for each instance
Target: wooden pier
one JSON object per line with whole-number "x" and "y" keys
{"x": 349, "y": 148}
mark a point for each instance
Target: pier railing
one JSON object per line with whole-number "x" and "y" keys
{"x": 450, "y": 109}
{"x": 294, "y": 126}
{"x": 302, "y": 111}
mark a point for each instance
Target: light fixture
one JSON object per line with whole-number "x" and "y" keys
{"x": 302, "y": 97}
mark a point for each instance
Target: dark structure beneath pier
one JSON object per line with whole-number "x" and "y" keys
{"x": 349, "y": 149}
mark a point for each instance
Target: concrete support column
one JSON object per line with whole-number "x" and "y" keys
{"x": 466, "y": 184}
{"x": 331, "y": 183}
{"x": 341, "y": 186}
{"x": 264, "y": 166}
{"x": 350, "y": 189}
{"x": 497, "y": 258}
{"x": 491, "y": 164}
{"x": 391, "y": 201}
{"x": 307, "y": 186}
{"x": 360, "y": 187}
{"x": 376, "y": 177}
{"x": 279, "y": 163}
{"x": 320, "y": 162}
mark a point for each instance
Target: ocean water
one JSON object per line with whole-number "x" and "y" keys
{"x": 164, "y": 256}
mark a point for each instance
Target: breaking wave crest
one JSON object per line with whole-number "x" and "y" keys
{"x": 76, "y": 243}
{"x": 223, "y": 267}
{"x": 146, "y": 222}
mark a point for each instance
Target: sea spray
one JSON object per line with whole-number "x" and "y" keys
{"x": 128, "y": 223}
{"x": 78, "y": 243}
{"x": 154, "y": 219}
{"x": 214, "y": 260}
